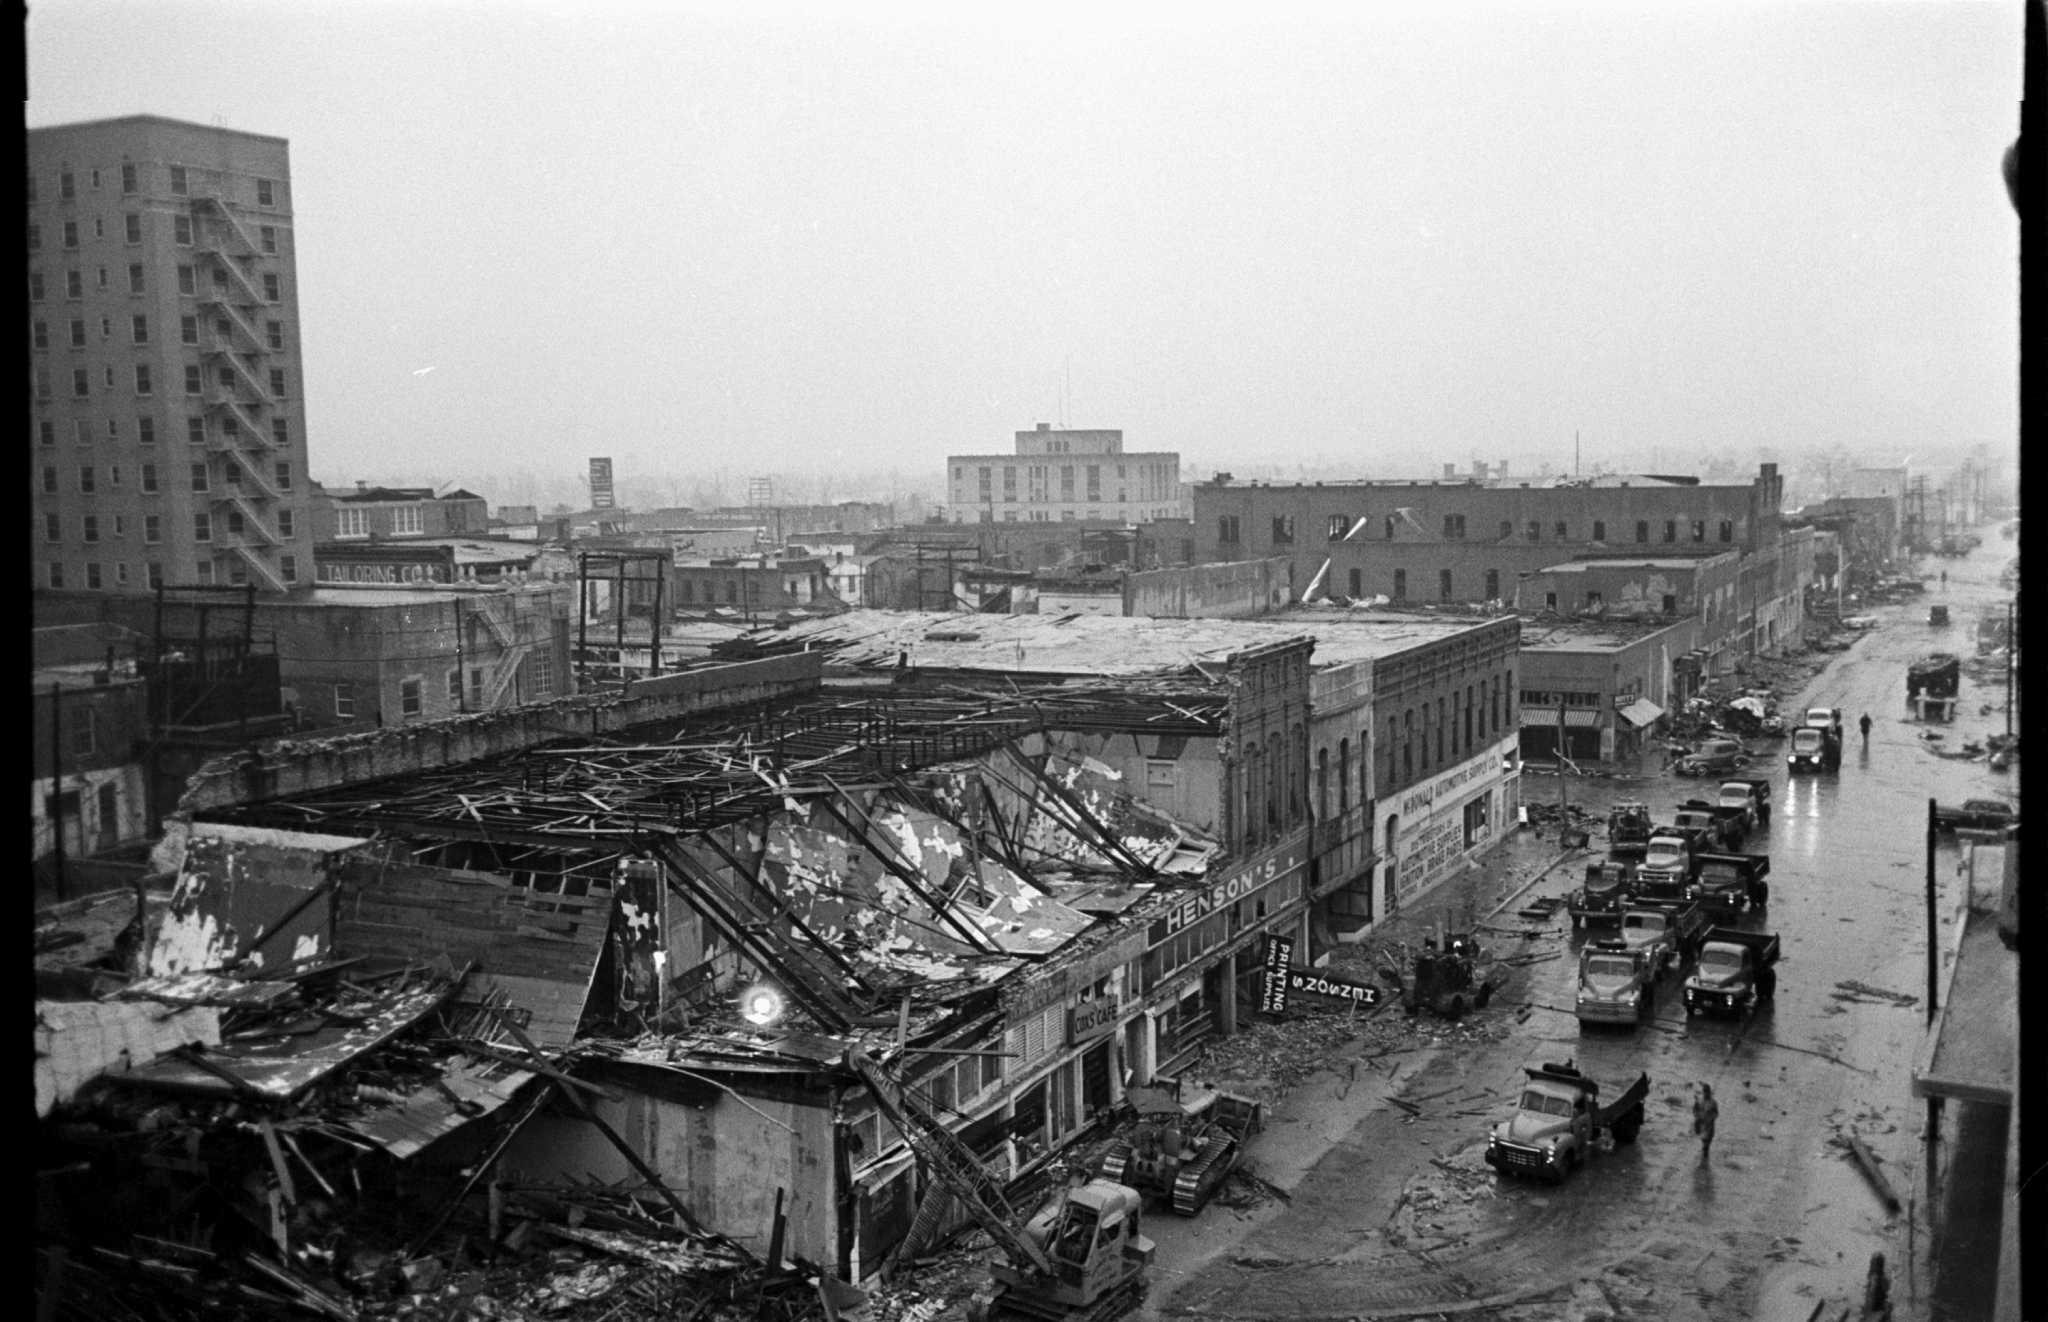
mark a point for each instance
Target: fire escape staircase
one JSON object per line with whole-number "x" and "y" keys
{"x": 251, "y": 431}
{"x": 262, "y": 572}
{"x": 237, "y": 277}
{"x": 232, "y": 223}
{"x": 242, "y": 325}
{"x": 251, "y": 475}
{"x": 245, "y": 374}
{"x": 252, "y": 522}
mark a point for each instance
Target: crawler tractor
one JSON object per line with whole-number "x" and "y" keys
{"x": 1185, "y": 1143}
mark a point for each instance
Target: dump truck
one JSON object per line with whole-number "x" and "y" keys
{"x": 1617, "y": 983}
{"x": 1667, "y": 933}
{"x": 1737, "y": 972}
{"x": 1710, "y": 828}
{"x": 1748, "y": 802}
{"x": 1628, "y": 829}
{"x": 1561, "y": 1121}
{"x": 1726, "y": 883}
{"x": 1936, "y": 675}
{"x": 1183, "y": 1142}
{"x": 1668, "y": 868}
{"x": 1081, "y": 1258}
{"x": 1600, "y": 898}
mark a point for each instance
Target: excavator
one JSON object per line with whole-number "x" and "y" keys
{"x": 1083, "y": 1258}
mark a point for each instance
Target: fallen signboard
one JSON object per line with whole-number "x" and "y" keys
{"x": 1311, "y": 983}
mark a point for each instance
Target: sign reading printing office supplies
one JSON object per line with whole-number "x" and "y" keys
{"x": 1311, "y": 983}
{"x": 1279, "y": 964}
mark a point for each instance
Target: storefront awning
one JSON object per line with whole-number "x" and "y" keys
{"x": 1577, "y": 718}
{"x": 1642, "y": 713}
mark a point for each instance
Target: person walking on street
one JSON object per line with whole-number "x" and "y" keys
{"x": 1705, "y": 1111}
{"x": 1864, "y": 725}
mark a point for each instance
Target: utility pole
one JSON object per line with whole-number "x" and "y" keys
{"x": 57, "y": 785}
{"x": 1561, "y": 804}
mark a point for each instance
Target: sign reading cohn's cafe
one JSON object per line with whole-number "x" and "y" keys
{"x": 1218, "y": 895}
{"x": 1092, "y": 1019}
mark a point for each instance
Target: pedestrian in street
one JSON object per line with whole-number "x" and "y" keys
{"x": 1864, "y": 725}
{"x": 1705, "y": 1111}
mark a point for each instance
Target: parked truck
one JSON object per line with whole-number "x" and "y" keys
{"x": 1628, "y": 829}
{"x": 1667, "y": 868}
{"x": 1710, "y": 829}
{"x": 1452, "y": 979}
{"x": 1727, "y": 883}
{"x": 1737, "y": 972}
{"x": 1617, "y": 983}
{"x": 1561, "y": 1121}
{"x": 1666, "y": 933}
{"x": 1599, "y": 900}
{"x": 1747, "y": 802}
{"x": 1936, "y": 675}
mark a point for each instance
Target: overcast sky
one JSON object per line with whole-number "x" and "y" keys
{"x": 705, "y": 238}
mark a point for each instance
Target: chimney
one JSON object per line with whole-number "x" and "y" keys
{"x": 362, "y": 485}
{"x": 1045, "y": 426}
{"x": 1501, "y": 468}
{"x": 1450, "y": 471}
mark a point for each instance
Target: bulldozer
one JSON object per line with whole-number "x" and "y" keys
{"x": 1083, "y": 1257}
{"x": 1185, "y": 1143}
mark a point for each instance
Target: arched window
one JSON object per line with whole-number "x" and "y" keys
{"x": 1323, "y": 783}
{"x": 1275, "y": 779}
{"x": 1408, "y": 743}
{"x": 1343, "y": 776}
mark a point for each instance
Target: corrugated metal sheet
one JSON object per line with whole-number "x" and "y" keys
{"x": 404, "y": 1128}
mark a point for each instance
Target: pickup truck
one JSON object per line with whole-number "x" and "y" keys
{"x": 1748, "y": 802}
{"x": 1600, "y": 898}
{"x": 1617, "y": 984}
{"x": 1737, "y": 972}
{"x": 1668, "y": 867}
{"x": 1666, "y": 933}
{"x": 1975, "y": 815}
{"x": 1814, "y": 748}
{"x": 1628, "y": 829}
{"x": 1560, "y": 1121}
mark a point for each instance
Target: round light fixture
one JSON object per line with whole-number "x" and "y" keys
{"x": 762, "y": 1005}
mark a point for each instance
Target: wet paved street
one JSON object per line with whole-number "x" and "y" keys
{"x": 1394, "y": 1214}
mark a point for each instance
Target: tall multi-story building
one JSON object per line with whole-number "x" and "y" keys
{"x": 168, "y": 419}
{"x": 1060, "y": 475}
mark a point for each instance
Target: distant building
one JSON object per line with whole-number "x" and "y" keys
{"x": 441, "y": 560}
{"x": 1061, "y": 475}
{"x": 89, "y": 727}
{"x": 167, "y": 418}
{"x": 377, "y": 513}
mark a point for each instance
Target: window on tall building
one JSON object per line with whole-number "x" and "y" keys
{"x": 188, "y": 282}
{"x": 67, "y": 185}
{"x": 56, "y": 579}
{"x": 128, "y": 178}
{"x": 199, "y": 480}
{"x": 42, "y": 383}
{"x": 89, "y": 528}
{"x": 195, "y": 429}
{"x": 1642, "y": 530}
{"x": 409, "y": 698}
{"x": 266, "y": 194}
{"x": 1227, "y": 528}
{"x": 284, "y": 522}
{"x": 1339, "y": 524}
{"x": 92, "y": 580}
{"x": 71, "y": 234}
{"x": 1599, "y": 530}
{"x": 202, "y": 526}
{"x": 271, "y": 287}
{"x": 1727, "y": 530}
{"x": 153, "y": 573}
{"x": 284, "y": 475}
{"x": 345, "y": 701}
{"x": 86, "y": 483}
{"x": 203, "y": 571}
{"x": 39, "y": 334}
{"x": 35, "y": 237}
{"x": 273, "y": 334}
{"x": 138, "y": 278}
{"x": 1283, "y": 530}
{"x": 188, "y": 329}
{"x": 277, "y": 383}
{"x": 178, "y": 179}
{"x": 1671, "y": 530}
{"x": 53, "y": 527}
{"x": 288, "y": 568}
{"x": 195, "y": 380}
{"x": 134, "y": 224}
{"x": 267, "y": 236}
{"x": 81, "y": 382}
{"x": 145, "y": 430}
{"x": 152, "y": 528}
{"x": 540, "y": 674}
{"x": 181, "y": 231}
{"x": 238, "y": 571}
{"x": 120, "y": 574}
{"x": 74, "y": 284}
{"x": 81, "y": 430}
{"x": 138, "y": 328}
{"x": 280, "y": 431}
{"x": 1454, "y": 527}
